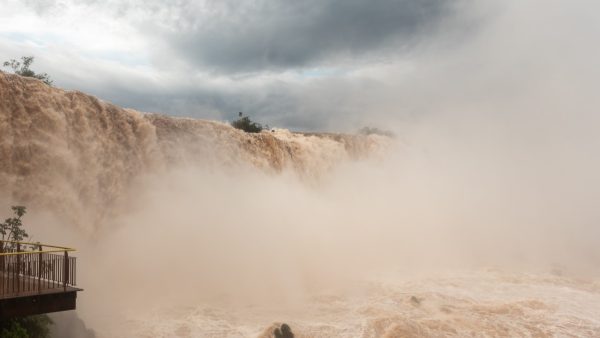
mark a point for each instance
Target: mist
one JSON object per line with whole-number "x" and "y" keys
{"x": 493, "y": 168}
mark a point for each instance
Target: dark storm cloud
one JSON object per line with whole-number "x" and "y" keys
{"x": 271, "y": 35}
{"x": 231, "y": 36}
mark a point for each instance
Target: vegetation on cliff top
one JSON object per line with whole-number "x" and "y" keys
{"x": 22, "y": 68}
{"x": 244, "y": 123}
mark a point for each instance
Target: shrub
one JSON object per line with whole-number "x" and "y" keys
{"x": 26, "y": 327}
{"x": 244, "y": 123}
{"x": 22, "y": 68}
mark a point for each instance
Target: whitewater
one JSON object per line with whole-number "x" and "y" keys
{"x": 191, "y": 228}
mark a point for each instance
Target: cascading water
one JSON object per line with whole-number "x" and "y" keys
{"x": 78, "y": 156}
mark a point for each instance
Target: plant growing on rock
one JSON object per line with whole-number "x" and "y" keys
{"x": 244, "y": 123}
{"x": 22, "y": 68}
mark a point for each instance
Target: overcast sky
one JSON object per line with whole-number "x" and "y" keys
{"x": 309, "y": 64}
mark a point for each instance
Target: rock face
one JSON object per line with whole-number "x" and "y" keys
{"x": 68, "y": 151}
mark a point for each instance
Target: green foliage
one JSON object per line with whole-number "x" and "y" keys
{"x": 26, "y": 327}
{"x": 12, "y": 228}
{"x": 244, "y": 123}
{"x": 12, "y": 329}
{"x": 22, "y": 68}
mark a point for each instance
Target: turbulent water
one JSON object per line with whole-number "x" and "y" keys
{"x": 190, "y": 228}
{"x": 475, "y": 304}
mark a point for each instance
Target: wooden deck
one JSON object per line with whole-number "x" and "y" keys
{"x": 34, "y": 280}
{"x": 28, "y": 286}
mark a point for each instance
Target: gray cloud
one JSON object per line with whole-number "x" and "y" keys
{"x": 229, "y": 36}
{"x": 304, "y": 65}
{"x": 273, "y": 36}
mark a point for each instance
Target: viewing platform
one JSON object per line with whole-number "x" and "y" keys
{"x": 36, "y": 278}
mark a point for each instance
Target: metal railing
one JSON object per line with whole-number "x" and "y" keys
{"x": 29, "y": 268}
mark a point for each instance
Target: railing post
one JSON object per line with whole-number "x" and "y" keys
{"x": 18, "y": 270}
{"x": 2, "y": 257}
{"x": 2, "y": 268}
{"x": 66, "y": 270}
{"x": 39, "y": 279}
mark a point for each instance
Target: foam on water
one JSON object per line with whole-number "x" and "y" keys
{"x": 486, "y": 303}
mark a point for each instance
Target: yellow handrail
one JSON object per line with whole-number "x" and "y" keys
{"x": 56, "y": 248}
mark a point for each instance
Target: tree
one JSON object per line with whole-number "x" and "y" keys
{"x": 26, "y": 327}
{"x": 12, "y": 228}
{"x": 22, "y": 68}
{"x": 244, "y": 123}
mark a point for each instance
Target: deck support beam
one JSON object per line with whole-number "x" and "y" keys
{"x": 37, "y": 304}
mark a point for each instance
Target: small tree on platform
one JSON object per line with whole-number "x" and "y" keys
{"x": 12, "y": 228}
{"x": 26, "y": 327}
